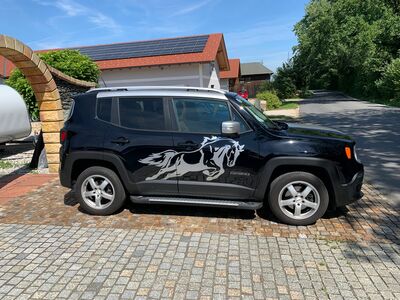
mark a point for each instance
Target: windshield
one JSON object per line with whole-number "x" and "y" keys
{"x": 256, "y": 113}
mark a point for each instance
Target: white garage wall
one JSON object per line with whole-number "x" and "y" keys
{"x": 180, "y": 75}
{"x": 212, "y": 71}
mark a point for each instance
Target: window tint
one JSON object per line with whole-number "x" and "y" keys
{"x": 142, "y": 113}
{"x": 243, "y": 125}
{"x": 104, "y": 109}
{"x": 201, "y": 116}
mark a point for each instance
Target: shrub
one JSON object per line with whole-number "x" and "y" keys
{"x": 389, "y": 84}
{"x": 70, "y": 62}
{"x": 272, "y": 100}
{"x": 284, "y": 83}
{"x": 19, "y": 83}
{"x": 305, "y": 93}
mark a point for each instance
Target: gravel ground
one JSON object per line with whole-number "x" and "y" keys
{"x": 15, "y": 159}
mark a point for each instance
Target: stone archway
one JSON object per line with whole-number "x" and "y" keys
{"x": 46, "y": 93}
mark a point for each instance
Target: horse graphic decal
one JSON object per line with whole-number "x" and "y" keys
{"x": 220, "y": 151}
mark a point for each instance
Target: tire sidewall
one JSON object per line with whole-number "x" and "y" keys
{"x": 119, "y": 191}
{"x": 280, "y": 182}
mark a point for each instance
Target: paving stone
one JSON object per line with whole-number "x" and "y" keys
{"x": 63, "y": 253}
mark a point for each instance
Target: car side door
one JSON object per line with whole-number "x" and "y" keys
{"x": 209, "y": 164}
{"x": 139, "y": 134}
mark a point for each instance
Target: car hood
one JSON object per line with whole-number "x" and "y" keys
{"x": 312, "y": 131}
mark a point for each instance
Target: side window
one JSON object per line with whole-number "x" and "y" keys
{"x": 104, "y": 109}
{"x": 142, "y": 113}
{"x": 200, "y": 116}
{"x": 243, "y": 125}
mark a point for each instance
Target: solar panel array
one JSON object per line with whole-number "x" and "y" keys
{"x": 182, "y": 45}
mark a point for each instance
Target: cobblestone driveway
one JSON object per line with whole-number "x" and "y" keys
{"x": 50, "y": 249}
{"x": 48, "y": 262}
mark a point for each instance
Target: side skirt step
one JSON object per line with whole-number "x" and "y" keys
{"x": 196, "y": 202}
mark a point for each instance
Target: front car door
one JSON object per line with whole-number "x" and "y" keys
{"x": 139, "y": 128}
{"x": 207, "y": 163}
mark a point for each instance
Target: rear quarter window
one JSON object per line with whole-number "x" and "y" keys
{"x": 71, "y": 111}
{"x": 104, "y": 109}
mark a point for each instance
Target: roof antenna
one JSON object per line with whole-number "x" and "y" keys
{"x": 105, "y": 85}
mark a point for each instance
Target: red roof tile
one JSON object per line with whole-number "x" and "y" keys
{"x": 214, "y": 50}
{"x": 233, "y": 72}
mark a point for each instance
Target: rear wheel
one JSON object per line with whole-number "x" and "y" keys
{"x": 100, "y": 191}
{"x": 298, "y": 198}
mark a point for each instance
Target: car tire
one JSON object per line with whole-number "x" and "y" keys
{"x": 298, "y": 198}
{"x": 100, "y": 191}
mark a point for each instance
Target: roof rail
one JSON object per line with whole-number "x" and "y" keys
{"x": 152, "y": 88}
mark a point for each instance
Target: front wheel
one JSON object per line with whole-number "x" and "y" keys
{"x": 100, "y": 191}
{"x": 298, "y": 198}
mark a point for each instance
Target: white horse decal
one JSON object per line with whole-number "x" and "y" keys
{"x": 174, "y": 164}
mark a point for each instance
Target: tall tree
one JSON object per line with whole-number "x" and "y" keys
{"x": 346, "y": 44}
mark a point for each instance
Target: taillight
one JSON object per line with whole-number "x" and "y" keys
{"x": 63, "y": 135}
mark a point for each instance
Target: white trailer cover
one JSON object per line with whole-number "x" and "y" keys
{"x": 14, "y": 117}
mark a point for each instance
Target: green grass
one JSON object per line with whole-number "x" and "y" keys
{"x": 5, "y": 164}
{"x": 288, "y": 105}
{"x": 394, "y": 103}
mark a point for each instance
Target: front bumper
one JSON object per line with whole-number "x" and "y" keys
{"x": 350, "y": 192}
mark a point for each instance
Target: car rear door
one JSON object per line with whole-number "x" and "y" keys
{"x": 207, "y": 163}
{"x": 139, "y": 135}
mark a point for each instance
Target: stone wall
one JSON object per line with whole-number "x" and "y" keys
{"x": 67, "y": 92}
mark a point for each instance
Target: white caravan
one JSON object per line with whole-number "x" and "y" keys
{"x": 14, "y": 117}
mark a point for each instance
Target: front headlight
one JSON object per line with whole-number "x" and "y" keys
{"x": 355, "y": 155}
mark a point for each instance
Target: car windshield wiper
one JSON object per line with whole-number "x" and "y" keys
{"x": 281, "y": 125}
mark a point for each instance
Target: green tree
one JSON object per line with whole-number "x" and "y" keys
{"x": 70, "y": 62}
{"x": 284, "y": 81}
{"x": 346, "y": 44}
{"x": 389, "y": 84}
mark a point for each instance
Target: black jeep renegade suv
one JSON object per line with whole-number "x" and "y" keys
{"x": 194, "y": 146}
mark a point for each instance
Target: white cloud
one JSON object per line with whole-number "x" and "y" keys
{"x": 74, "y": 9}
{"x": 71, "y": 8}
{"x": 101, "y": 20}
{"x": 191, "y": 8}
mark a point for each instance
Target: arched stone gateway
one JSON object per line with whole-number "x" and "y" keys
{"x": 47, "y": 96}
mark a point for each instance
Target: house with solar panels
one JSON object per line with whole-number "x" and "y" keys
{"x": 183, "y": 61}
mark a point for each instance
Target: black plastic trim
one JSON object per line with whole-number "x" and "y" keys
{"x": 342, "y": 193}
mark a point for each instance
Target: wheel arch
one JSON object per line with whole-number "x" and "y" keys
{"x": 80, "y": 161}
{"x": 322, "y": 168}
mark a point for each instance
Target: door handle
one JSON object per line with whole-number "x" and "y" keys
{"x": 120, "y": 141}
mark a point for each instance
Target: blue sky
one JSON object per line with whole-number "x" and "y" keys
{"x": 254, "y": 30}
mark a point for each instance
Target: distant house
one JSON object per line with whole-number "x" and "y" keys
{"x": 185, "y": 61}
{"x": 230, "y": 79}
{"x": 254, "y": 71}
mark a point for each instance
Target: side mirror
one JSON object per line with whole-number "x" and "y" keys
{"x": 230, "y": 128}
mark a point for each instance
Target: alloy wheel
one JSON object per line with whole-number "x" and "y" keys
{"x": 98, "y": 192}
{"x": 299, "y": 200}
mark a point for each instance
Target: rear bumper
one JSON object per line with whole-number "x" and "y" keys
{"x": 350, "y": 192}
{"x": 65, "y": 172}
